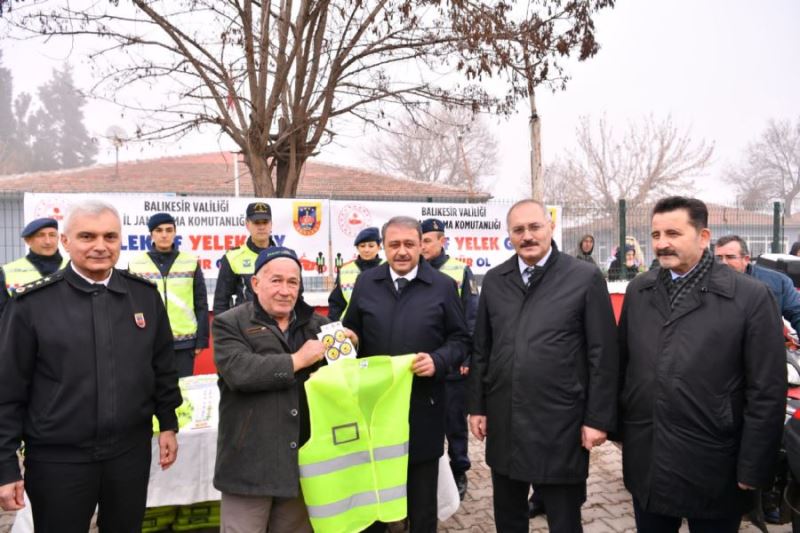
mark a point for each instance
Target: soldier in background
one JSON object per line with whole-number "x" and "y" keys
{"x": 238, "y": 264}
{"x": 456, "y": 431}
{"x": 41, "y": 237}
{"x": 180, "y": 282}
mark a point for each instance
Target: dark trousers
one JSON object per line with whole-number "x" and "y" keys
{"x": 423, "y": 480}
{"x": 184, "y": 362}
{"x": 456, "y": 425}
{"x": 64, "y": 495}
{"x": 563, "y": 504}
{"x": 647, "y": 522}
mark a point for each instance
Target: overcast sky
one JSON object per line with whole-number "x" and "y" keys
{"x": 721, "y": 67}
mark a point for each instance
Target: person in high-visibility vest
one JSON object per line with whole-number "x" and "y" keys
{"x": 368, "y": 244}
{"x": 434, "y": 243}
{"x": 236, "y": 266}
{"x": 180, "y": 282}
{"x": 406, "y": 306}
{"x": 43, "y": 258}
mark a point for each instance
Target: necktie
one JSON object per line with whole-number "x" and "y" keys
{"x": 401, "y": 284}
{"x": 529, "y": 276}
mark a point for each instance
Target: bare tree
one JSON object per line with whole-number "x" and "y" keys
{"x": 273, "y": 76}
{"x": 447, "y": 146}
{"x": 650, "y": 159}
{"x": 771, "y": 166}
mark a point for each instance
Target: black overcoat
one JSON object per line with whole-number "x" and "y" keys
{"x": 544, "y": 364}
{"x": 426, "y": 317}
{"x": 703, "y": 393}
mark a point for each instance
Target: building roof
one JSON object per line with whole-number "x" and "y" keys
{"x": 212, "y": 174}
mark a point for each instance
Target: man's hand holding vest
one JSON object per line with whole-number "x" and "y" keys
{"x": 423, "y": 365}
{"x": 308, "y": 354}
{"x": 12, "y": 496}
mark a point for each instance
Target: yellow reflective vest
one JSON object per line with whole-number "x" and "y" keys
{"x": 176, "y": 290}
{"x": 455, "y": 269}
{"x": 242, "y": 260}
{"x": 21, "y": 272}
{"x": 354, "y": 467}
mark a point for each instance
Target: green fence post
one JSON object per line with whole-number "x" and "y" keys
{"x": 623, "y": 268}
{"x": 777, "y": 228}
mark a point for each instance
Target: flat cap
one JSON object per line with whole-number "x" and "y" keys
{"x": 432, "y": 224}
{"x": 368, "y": 235}
{"x": 35, "y": 225}
{"x": 160, "y": 218}
{"x": 275, "y": 252}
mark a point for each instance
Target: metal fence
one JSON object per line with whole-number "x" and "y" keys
{"x": 761, "y": 226}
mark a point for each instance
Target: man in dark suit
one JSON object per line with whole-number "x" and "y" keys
{"x": 406, "y": 306}
{"x": 544, "y": 374}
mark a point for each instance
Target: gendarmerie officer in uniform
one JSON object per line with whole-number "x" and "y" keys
{"x": 368, "y": 244}
{"x": 41, "y": 237}
{"x": 456, "y": 431}
{"x": 238, "y": 264}
{"x": 86, "y": 361}
{"x": 180, "y": 282}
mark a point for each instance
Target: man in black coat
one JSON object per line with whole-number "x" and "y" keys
{"x": 86, "y": 360}
{"x": 543, "y": 379}
{"x": 703, "y": 384}
{"x": 406, "y": 306}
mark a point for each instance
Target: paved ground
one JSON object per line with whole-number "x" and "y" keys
{"x": 607, "y": 510}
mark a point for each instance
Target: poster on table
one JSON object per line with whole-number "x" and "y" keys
{"x": 206, "y": 226}
{"x": 476, "y": 233}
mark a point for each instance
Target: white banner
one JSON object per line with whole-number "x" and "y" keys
{"x": 476, "y": 233}
{"x": 206, "y": 226}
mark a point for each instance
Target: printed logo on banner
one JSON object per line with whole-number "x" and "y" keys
{"x": 49, "y": 209}
{"x": 307, "y": 217}
{"x": 353, "y": 218}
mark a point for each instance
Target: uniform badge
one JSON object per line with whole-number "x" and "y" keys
{"x": 139, "y": 317}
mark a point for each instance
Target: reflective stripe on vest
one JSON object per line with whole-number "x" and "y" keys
{"x": 21, "y": 272}
{"x": 348, "y": 275}
{"x": 176, "y": 290}
{"x": 455, "y": 269}
{"x": 353, "y": 469}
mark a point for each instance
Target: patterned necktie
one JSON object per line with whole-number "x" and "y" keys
{"x": 401, "y": 284}
{"x": 529, "y": 275}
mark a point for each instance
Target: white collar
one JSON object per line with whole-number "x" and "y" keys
{"x": 411, "y": 275}
{"x": 523, "y": 265}
{"x": 90, "y": 281}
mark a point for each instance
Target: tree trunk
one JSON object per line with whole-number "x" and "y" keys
{"x": 260, "y": 172}
{"x": 537, "y": 187}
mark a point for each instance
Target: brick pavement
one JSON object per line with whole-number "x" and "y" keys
{"x": 608, "y": 508}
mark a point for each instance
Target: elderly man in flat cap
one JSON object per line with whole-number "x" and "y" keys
{"x": 265, "y": 350}
{"x": 41, "y": 237}
{"x": 237, "y": 265}
{"x": 180, "y": 282}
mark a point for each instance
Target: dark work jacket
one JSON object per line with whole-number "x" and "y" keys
{"x": 426, "y": 317}
{"x": 263, "y": 412}
{"x": 544, "y": 364}
{"x": 45, "y": 264}
{"x": 703, "y": 393}
{"x": 230, "y": 285}
{"x": 469, "y": 302}
{"x": 83, "y": 369}
{"x": 164, "y": 262}
{"x": 336, "y": 302}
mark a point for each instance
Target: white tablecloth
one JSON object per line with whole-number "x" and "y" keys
{"x": 189, "y": 479}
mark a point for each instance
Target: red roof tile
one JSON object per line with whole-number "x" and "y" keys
{"x": 212, "y": 174}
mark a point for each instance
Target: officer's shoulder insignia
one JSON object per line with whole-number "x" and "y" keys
{"x": 38, "y": 284}
{"x": 138, "y": 277}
